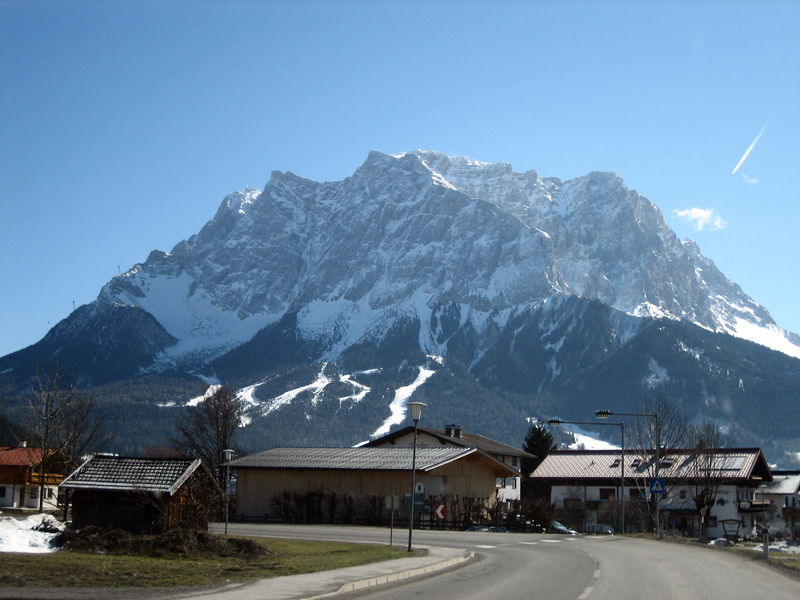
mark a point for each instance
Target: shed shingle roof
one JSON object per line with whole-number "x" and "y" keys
{"x": 124, "y": 473}
{"x": 395, "y": 458}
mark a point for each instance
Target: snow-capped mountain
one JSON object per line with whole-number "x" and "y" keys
{"x": 308, "y": 292}
{"x": 410, "y": 232}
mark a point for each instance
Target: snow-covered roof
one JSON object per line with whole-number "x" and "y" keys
{"x": 782, "y": 484}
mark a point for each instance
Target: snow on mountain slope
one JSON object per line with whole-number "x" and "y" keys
{"x": 407, "y": 234}
{"x": 613, "y": 245}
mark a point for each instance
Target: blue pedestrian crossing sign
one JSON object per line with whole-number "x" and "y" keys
{"x": 657, "y": 485}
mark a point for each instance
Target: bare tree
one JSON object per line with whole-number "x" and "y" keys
{"x": 706, "y": 469}
{"x": 664, "y": 427}
{"x": 209, "y": 428}
{"x": 61, "y": 418}
{"x": 45, "y": 409}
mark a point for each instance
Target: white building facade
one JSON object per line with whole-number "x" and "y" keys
{"x": 586, "y": 487}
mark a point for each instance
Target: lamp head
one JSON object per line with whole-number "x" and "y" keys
{"x": 416, "y": 410}
{"x": 603, "y": 414}
{"x": 227, "y": 454}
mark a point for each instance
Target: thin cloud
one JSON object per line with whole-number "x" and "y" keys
{"x": 750, "y": 180}
{"x": 701, "y": 218}
{"x": 751, "y": 146}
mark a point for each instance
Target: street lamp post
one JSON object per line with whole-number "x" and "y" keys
{"x": 416, "y": 413}
{"x": 622, "y": 461}
{"x": 604, "y": 414}
{"x": 227, "y": 455}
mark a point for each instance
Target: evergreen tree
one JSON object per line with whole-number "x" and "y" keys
{"x": 539, "y": 442}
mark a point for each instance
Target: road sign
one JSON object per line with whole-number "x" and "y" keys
{"x": 419, "y": 502}
{"x": 440, "y": 511}
{"x": 657, "y": 485}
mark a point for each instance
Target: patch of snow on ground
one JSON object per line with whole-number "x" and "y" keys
{"x": 436, "y": 359}
{"x": 588, "y": 440}
{"x": 212, "y": 389}
{"x": 658, "y": 375}
{"x": 398, "y": 404}
{"x": 769, "y": 336}
{"x": 781, "y": 546}
{"x": 191, "y": 316}
{"x": 287, "y": 397}
{"x": 363, "y": 390}
{"x": 18, "y": 535}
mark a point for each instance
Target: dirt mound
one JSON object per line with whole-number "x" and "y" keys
{"x": 175, "y": 542}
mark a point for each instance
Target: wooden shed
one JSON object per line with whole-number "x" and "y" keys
{"x": 141, "y": 495}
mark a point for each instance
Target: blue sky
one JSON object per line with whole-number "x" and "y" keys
{"x": 124, "y": 124}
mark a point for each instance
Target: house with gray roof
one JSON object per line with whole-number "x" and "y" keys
{"x": 141, "y": 495}
{"x": 366, "y": 485}
{"x": 509, "y": 489}
{"x": 783, "y": 496}
{"x": 586, "y": 487}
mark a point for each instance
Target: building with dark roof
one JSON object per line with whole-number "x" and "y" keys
{"x": 141, "y": 495}
{"x": 508, "y": 488}
{"x": 364, "y": 484}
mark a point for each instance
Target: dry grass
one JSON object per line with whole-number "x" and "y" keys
{"x": 85, "y": 569}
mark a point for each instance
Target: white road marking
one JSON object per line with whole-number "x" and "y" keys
{"x": 529, "y": 543}
{"x": 548, "y": 541}
{"x": 481, "y": 546}
{"x": 597, "y": 574}
{"x": 585, "y": 593}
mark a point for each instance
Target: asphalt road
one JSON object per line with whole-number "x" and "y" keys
{"x": 550, "y": 567}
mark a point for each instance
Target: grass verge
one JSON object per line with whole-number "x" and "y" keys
{"x": 83, "y": 569}
{"x": 790, "y": 562}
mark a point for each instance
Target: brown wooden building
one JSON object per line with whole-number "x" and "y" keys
{"x": 20, "y": 477}
{"x": 141, "y": 495}
{"x": 361, "y": 485}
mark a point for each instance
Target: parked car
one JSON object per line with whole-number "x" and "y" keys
{"x": 557, "y": 527}
{"x": 519, "y": 523}
{"x": 600, "y": 529}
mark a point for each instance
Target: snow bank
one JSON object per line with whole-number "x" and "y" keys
{"x": 20, "y": 535}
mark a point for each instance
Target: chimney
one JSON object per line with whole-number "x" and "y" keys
{"x": 453, "y": 431}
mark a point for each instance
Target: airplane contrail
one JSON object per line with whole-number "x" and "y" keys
{"x": 750, "y": 147}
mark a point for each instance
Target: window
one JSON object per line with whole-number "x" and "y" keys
{"x": 682, "y": 495}
{"x": 500, "y": 482}
{"x": 712, "y": 521}
{"x": 513, "y": 483}
{"x": 2, "y": 491}
{"x": 34, "y": 494}
{"x": 608, "y": 493}
{"x": 513, "y": 461}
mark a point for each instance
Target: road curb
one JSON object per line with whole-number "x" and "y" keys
{"x": 372, "y": 582}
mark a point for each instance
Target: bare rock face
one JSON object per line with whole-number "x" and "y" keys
{"x": 499, "y": 282}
